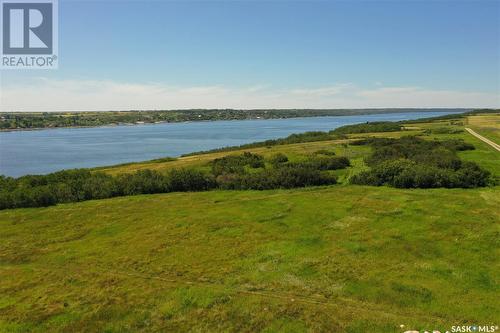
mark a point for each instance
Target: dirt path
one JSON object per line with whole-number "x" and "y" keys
{"x": 482, "y": 138}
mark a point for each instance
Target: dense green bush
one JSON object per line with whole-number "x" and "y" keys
{"x": 324, "y": 152}
{"x": 443, "y": 130}
{"x": 278, "y": 158}
{"x": 323, "y": 163}
{"x": 457, "y": 145}
{"x": 411, "y": 162}
{"x": 80, "y": 185}
{"x": 184, "y": 180}
{"x": 413, "y": 148}
{"x": 236, "y": 163}
{"x": 371, "y": 141}
{"x": 141, "y": 182}
{"x": 283, "y": 177}
{"x": 368, "y": 127}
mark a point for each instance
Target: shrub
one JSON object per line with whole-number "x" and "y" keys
{"x": 35, "y": 197}
{"x": 384, "y": 173}
{"x": 331, "y": 163}
{"x": 278, "y": 159}
{"x": 79, "y": 185}
{"x": 7, "y": 183}
{"x": 458, "y": 145}
{"x": 369, "y": 127}
{"x": 183, "y": 180}
{"x": 323, "y": 163}
{"x": 443, "y": 130}
{"x": 324, "y": 152}
{"x": 471, "y": 175}
{"x": 141, "y": 182}
{"x": 286, "y": 177}
{"x": 229, "y": 181}
{"x": 415, "y": 163}
{"x": 236, "y": 163}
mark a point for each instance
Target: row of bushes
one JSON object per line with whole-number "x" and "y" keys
{"x": 323, "y": 163}
{"x": 282, "y": 177}
{"x": 444, "y": 130}
{"x": 80, "y": 185}
{"x": 405, "y": 173}
{"x": 236, "y": 163}
{"x": 419, "y": 150}
{"x": 238, "y": 171}
{"x": 411, "y": 162}
{"x": 240, "y": 164}
{"x": 368, "y": 127}
{"x": 246, "y": 171}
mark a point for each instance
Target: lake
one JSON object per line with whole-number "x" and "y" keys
{"x": 48, "y": 150}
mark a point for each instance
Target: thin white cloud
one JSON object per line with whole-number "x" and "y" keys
{"x": 419, "y": 97}
{"x": 323, "y": 91}
{"x": 75, "y": 95}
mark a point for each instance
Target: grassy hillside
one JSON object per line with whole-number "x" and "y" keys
{"x": 340, "y": 258}
{"x": 345, "y": 259}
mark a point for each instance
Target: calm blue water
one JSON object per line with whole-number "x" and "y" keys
{"x": 44, "y": 151}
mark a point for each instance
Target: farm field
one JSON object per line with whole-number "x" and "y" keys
{"x": 341, "y": 258}
{"x": 486, "y": 125}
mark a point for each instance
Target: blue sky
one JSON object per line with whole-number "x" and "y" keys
{"x": 244, "y": 54}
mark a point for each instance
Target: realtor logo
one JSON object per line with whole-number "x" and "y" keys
{"x": 29, "y": 34}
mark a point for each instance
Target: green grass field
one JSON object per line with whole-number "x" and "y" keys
{"x": 341, "y": 258}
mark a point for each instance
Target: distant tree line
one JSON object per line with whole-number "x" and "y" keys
{"x": 411, "y": 162}
{"x": 244, "y": 171}
{"x": 22, "y": 120}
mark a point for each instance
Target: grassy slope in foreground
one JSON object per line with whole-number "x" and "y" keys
{"x": 341, "y": 259}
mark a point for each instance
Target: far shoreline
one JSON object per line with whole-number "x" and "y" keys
{"x": 124, "y": 124}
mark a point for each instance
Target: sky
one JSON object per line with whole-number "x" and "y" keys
{"x": 123, "y": 55}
